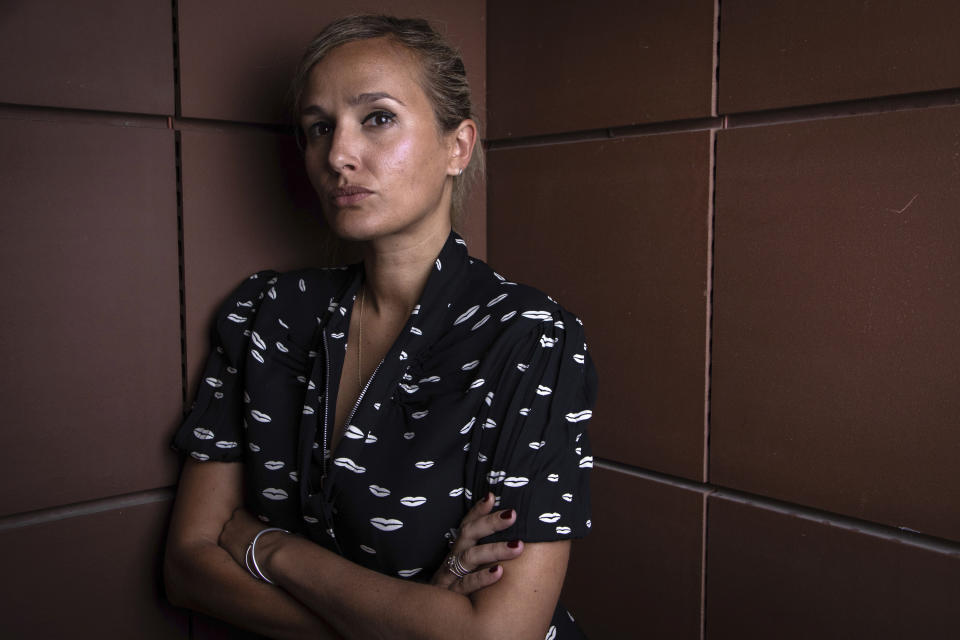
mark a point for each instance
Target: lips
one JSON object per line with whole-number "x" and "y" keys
{"x": 463, "y": 317}
{"x": 259, "y": 416}
{"x": 578, "y": 358}
{"x": 543, "y": 391}
{"x": 537, "y": 445}
{"x": 226, "y": 444}
{"x": 586, "y": 462}
{"x": 477, "y": 383}
{"x": 257, "y": 340}
{"x": 495, "y": 477}
{"x": 537, "y": 315}
{"x": 549, "y": 518}
{"x": 567, "y": 497}
{"x": 273, "y": 465}
{"x": 470, "y": 365}
{"x": 499, "y": 298}
{"x": 416, "y": 331}
{"x": 490, "y": 424}
{"x": 412, "y": 501}
{"x": 464, "y": 429}
{"x": 579, "y": 416}
{"x": 507, "y": 316}
{"x": 308, "y": 410}
{"x": 380, "y": 492}
{"x": 480, "y": 323}
{"x": 234, "y": 317}
{"x": 386, "y": 524}
{"x": 489, "y": 398}
{"x": 456, "y": 492}
{"x": 547, "y": 342}
{"x": 349, "y": 194}
{"x": 417, "y": 415}
{"x": 274, "y": 494}
{"x": 525, "y": 411}
{"x": 367, "y": 549}
{"x": 202, "y": 434}
{"x": 213, "y": 382}
{"x": 353, "y": 433}
{"x": 347, "y": 463}
{"x": 256, "y": 355}
{"x": 551, "y": 633}
{"x": 563, "y": 530}
{"x": 424, "y": 464}
{"x": 516, "y": 481}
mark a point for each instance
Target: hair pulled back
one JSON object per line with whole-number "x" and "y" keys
{"x": 443, "y": 76}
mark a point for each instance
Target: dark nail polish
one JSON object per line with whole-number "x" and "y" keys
{"x": 513, "y": 544}
{"x": 494, "y": 568}
{"x": 506, "y": 515}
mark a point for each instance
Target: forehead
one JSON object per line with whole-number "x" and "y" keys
{"x": 365, "y": 66}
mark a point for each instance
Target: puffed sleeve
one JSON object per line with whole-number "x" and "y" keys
{"x": 541, "y": 461}
{"x": 212, "y": 430}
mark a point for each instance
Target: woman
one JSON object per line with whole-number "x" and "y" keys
{"x": 459, "y": 402}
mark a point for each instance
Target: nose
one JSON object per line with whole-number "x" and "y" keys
{"x": 344, "y": 153}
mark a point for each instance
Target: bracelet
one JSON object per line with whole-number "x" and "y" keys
{"x": 251, "y": 555}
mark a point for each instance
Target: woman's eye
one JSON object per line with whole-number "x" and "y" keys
{"x": 318, "y": 130}
{"x": 379, "y": 118}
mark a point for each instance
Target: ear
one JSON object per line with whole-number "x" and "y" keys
{"x": 460, "y": 145}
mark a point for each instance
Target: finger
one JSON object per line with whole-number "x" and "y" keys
{"x": 478, "y": 510}
{"x": 487, "y": 554}
{"x": 478, "y": 580}
{"x": 483, "y": 527}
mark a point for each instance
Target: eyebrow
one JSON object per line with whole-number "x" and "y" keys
{"x": 362, "y": 98}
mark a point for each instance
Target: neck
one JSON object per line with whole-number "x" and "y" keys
{"x": 397, "y": 271}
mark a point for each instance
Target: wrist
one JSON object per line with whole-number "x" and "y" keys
{"x": 258, "y": 551}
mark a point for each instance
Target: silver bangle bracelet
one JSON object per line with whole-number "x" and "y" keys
{"x": 251, "y": 555}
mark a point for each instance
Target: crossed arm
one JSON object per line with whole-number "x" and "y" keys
{"x": 322, "y": 595}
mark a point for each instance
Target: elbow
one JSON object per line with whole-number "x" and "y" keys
{"x": 175, "y": 580}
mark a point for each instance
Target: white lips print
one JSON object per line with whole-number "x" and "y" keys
{"x": 310, "y": 519}
{"x": 481, "y": 457}
{"x": 430, "y": 379}
{"x": 213, "y": 382}
{"x": 563, "y": 530}
{"x": 407, "y": 573}
{"x": 199, "y": 456}
{"x": 537, "y": 315}
{"x": 308, "y": 410}
{"x": 489, "y": 398}
{"x": 282, "y": 323}
{"x": 231, "y": 369}
{"x": 272, "y": 292}
{"x": 416, "y": 310}
{"x": 294, "y": 476}
{"x": 253, "y": 447}
{"x": 507, "y": 316}
{"x": 273, "y": 465}
{"x": 412, "y": 501}
{"x": 579, "y": 416}
{"x": 380, "y": 492}
{"x": 567, "y": 497}
{"x": 274, "y": 494}
{"x": 256, "y": 355}
{"x": 470, "y": 365}
{"x": 417, "y": 415}
{"x": 589, "y": 523}
{"x": 202, "y": 434}
{"x": 499, "y": 298}
{"x": 578, "y": 358}
{"x": 490, "y": 424}
{"x": 551, "y": 633}
{"x": 516, "y": 481}
{"x": 477, "y": 383}
{"x": 353, "y": 433}
{"x": 553, "y": 477}
{"x": 370, "y": 439}
{"x": 547, "y": 342}
{"x": 537, "y": 445}
{"x": 543, "y": 391}
{"x": 386, "y": 524}
{"x": 464, "y": 429}
{"x": 424, "y": 464}
{"x": 495, "y": 477}
{"x": 281, "y": 348}
{"x": 559, "y": 324}
{"x": 525, "y": 411}
{"x": 233, "y": 317}
{"x": 455, "y": 492}
{"x": 416, "y": 331}
{"x": 439, "y": 265}
{"x": 463, "y": 317}
{"x": 408, "y": 435}
{"x": 369, "y": 550}
{"x": 217, "y": 394}
{"x": 549, "y": 517}
{"x": 347, "y": 463}
{"x": 258, "y": 341}
{"x": 409, "y": 388}
{"x": 403, "y": 355}
{"x": 480, "y": 323}
{"x": 522, "y": 367}
{"x": 337, "y": 335}
{"x": 259, "y": 416}
{"x": 586, "y": 462}
{"x": 302, "y": 285}
{"x": 226, "y": 444}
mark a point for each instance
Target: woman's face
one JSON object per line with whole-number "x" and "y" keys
{"x": 374, "y": 152}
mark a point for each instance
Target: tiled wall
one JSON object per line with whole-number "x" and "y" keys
{"x": 144, "y": 171}
{"x": 753, "y": 206}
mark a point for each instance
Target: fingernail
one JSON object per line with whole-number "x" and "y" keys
{"x": 506, "y": 515}
{"x": 513, "y": 544}
{"x": 488, "y": 497}
{"x": 494, "y": 568}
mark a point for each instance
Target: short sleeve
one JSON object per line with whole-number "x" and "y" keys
{"x": 212, "y": 429}
{"x": 542, "y": 459}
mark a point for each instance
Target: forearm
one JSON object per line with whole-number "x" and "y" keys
{"x": 206, "y": 579}
{"x": 360, "y": 603}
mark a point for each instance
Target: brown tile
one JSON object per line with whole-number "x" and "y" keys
{"x": 237, "y": 57}
{"x": 92, "y": 576}
{"x": 774, "y": 575}
{"x": 835, "y": 349}
{"x": 638, "y": 572}
{"x": 784, "y": 52}
{"x": 616, "y": 231}
{"x": 99, "y": 54}
{"x": 579, "y": 66}
{"x": 91, "y": 382}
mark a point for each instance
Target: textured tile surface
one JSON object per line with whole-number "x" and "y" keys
{"x": 638, "y": 572}
{"x": 92, "y": 576}
{"x": 616, "y": 231}
{"x": 772, "y": 575}
{"x": 91, "y": 375}
{"x": 237, "y": 57}
{"x": 577, "y": 66}
{"x": 790, "y": 52}
{"x": 113, "y": 55}
{"x": 836, "y": 359}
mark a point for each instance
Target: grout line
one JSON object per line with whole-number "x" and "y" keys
{"x": 708, "y": 294}
{"x": 181, "y": 271}
{"x": 175, "y": 37}
{"x": 900, "y": 535}
{"x": 715, "y": 80}
{"x": 90, "y": 507}
{"x": 89, "y": 116}
{"x": 704, "y": 529}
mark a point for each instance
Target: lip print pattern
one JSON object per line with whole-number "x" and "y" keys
{"x": 455, "y": 493}
{"x": 281, "y": 348}
{"x": 273, "y": 465}
{"x": 477, "y": 383}
{"x": 217, "y": 394}
{"x": 403, "y": 355}
{"x": 470, "y": 365}
{"x": 537, "y": 315}
{"x": 553, "y": 477}
{"x": 408, "y": 435}
{"x": 203, "y": 434}
{"x": 199, "y": 456}
{"x": 490, "y": 424}
{"x": 259, "y": 416}
{"x": 586, "y": 462}
{"x": 271, "y": 493}
{"x": 525, "y": 411}
{"x": 231, "y": 370}
{"x": 258, "y": 341}
{"x": 253, "y": 447}
{"x": 507, "y": 316}
{"x": 386, "y": 524}
{"x": 480, "y": 322}
{"x": 338, "y": 335}
{"x": 302, "y": 285}
{"x": 559, "y": 325}
{"x": 537, "y": 445}
{"x": 499, "y": 298}
{"x": 424, "y": 464}
{"x": 235, "y": 317}
{"x": 293, "y": 475}
{"x": 412, "y": 501}
{"x": 567, "y": 497}
{"x": 439, "y": 265}
{"x": 496, "y": 477}
{"x": 213, "y": 382}
{"x": 409, "y": 388}
{"x": 429, "y": 379}
{"x": 466, "y": 315}
{"x": 579, "y": 416}
{"x": 589, "y": 523}
{"x": 380, "y": 492}
{"x": 543, "y": 391}
{"x": 481, "y": 457}
{"x": 310, "y": 519}
{"x": 562, "y": 530}
{"x": 408, "y": 573}
{"x": 416, "y": 331}
{"x": 578, "y": 451}
{"x": 516, "y": 481}
{"x": 547, "y": 342}
{"x": 256, "y": 355}
{"x": 282, "y": 323}
{"x": 464, "y": 429}
{"x": 308, "y": 410}
{"x": 522, "y": 367}
{"x": 226, "y": 444}
{"x": 272, "y": 292}
{"x": 551, "y": 633}
{"x": 417, "y": 415}
{"x": 549, "y": 518}
{"x": 370, "y": 439}
{"x": 367, "y": 549}
{"x": 347, "y": 463}
{"x": 353, "y": 433}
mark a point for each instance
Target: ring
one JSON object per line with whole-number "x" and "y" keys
{"x": 455, "y": 567}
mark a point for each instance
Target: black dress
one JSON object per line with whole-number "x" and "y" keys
{"x": 489, "y": 387}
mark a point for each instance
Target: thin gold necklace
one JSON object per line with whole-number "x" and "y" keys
{"x": 360, "y": 342}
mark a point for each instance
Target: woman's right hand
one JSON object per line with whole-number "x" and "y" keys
{"x": 482, "y": 560}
